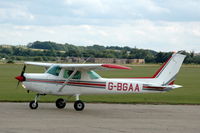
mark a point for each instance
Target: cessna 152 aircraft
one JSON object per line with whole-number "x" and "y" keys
{"x": 79, "y": 79}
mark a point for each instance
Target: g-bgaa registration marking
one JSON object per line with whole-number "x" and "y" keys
{"x": 119, "y": 86}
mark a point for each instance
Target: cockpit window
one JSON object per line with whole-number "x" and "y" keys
{"x": 67, "y": 73}
{"x": 93, "y": 75}
{"x": 54, "y": 70}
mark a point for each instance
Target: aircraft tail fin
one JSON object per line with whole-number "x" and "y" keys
{"x": 168, "y": 71}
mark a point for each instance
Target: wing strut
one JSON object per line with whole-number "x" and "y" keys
{"x": 70, "y": 77}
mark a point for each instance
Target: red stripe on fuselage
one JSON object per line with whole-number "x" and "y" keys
{"x": 154, "y": 87}
{"x": 70, "y": 82}
{"x": 94, "y": 84}
{"x": 46, "y": 81}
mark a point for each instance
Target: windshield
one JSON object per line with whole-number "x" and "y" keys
{"x": 54, "y": 70}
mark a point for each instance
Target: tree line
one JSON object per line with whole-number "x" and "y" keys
{"x": 51, "y": 51}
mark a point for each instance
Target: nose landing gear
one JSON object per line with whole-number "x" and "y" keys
{"x": 34, "y": 104}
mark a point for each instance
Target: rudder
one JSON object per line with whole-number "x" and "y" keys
{"x": 167, "y": 73}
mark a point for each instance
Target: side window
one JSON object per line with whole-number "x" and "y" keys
{"x": 77, "y": 75}
{"x": 67, "y": 73}
{"x": 54, "y": 70}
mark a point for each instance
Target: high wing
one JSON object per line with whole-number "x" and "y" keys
{"x": 39, "y": 64}
{"x": 81, "y": 66}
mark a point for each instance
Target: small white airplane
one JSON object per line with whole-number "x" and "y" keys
{"x": 79, "y": 79}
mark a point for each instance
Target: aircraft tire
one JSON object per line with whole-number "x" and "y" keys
{"x": 79, "y": 105}
{"x": 33, "y": 105}
{"x": 60, "y": 103}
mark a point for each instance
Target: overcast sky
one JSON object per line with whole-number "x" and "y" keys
{"x": 161, "y": 25}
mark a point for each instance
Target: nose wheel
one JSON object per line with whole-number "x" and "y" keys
{"x": 34, "y": 104}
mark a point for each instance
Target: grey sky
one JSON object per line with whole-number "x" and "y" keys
{"x": 162, "y": 25}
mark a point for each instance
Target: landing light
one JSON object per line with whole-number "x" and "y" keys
{"x": 24, "y": 86}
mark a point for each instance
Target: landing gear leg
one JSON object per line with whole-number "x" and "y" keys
{"x": 34, "y": 104}
{"x": 78, "y": 104}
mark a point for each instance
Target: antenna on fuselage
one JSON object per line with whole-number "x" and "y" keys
{"x": 86, "y": 60}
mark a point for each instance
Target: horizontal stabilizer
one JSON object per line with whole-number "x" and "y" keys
{"x": 161, "y": 87}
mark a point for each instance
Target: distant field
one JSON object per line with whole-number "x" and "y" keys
{"x": 189, "y": 77}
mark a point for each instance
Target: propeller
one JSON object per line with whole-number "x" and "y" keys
{"x": 21, "y": 78}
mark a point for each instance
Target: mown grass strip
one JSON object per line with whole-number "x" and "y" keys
{"x": 189, "y": 77}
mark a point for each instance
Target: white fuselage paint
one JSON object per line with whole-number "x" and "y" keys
{"x": 50, "y": 84}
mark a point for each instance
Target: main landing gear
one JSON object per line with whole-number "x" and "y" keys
{"x": 78, "y": 104}
{"x": 60, "y": 103}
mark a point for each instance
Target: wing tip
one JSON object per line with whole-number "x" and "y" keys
{"x": 115, "y": 66}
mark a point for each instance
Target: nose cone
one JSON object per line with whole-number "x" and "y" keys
{"x": 20, "y": 78}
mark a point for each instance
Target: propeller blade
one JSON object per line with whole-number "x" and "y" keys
{"x": 23, "y": 70}
{"x": 17, "y": 84}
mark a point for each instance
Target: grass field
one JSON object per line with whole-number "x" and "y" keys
{"x": 189, "y": 77}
